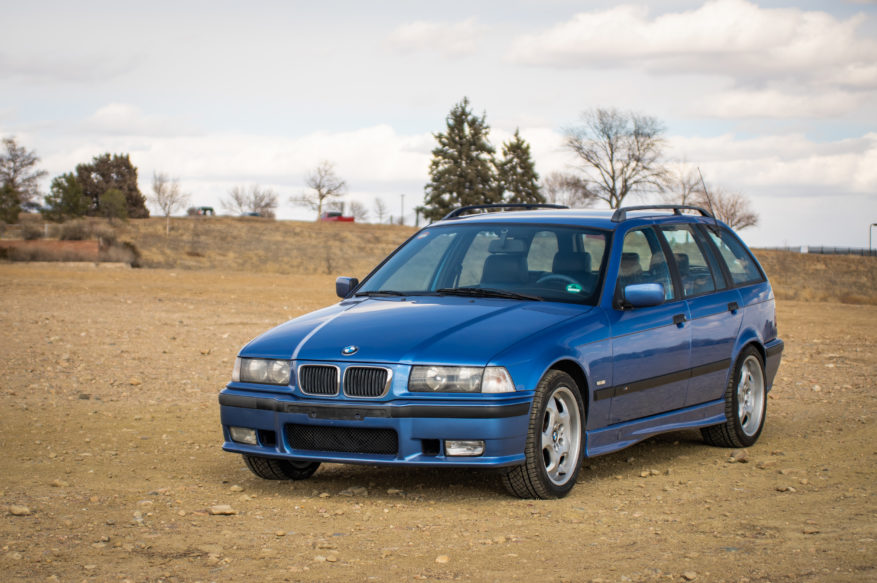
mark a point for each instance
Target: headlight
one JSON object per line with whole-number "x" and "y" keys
{"x": 459, "y": 379}
{"x": 261, "y": 370}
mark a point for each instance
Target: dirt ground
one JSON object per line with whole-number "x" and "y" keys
{"x": 111, "y": 460}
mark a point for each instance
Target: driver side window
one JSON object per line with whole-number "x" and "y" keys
{"x": 643, "y": 261}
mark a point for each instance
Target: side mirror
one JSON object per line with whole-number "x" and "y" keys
{"x": 345, "y": 285}
{"x": 643, "y": 295}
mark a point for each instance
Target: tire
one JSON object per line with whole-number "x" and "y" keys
{"x": 273, "y": 469}
{"x": 555, "y": 441}
{"x": 745, "y": 404}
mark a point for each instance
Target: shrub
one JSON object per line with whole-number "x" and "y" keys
{"x": 77, "y": 230}
{"x": 31, "y": 231}
{"x": 105, "y": 234}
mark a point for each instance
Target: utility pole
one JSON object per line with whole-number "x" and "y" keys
{"x": 869, "y": 236}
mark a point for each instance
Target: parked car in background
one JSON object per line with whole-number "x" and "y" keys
{"x": 200, "y": 211}
{"x": 336, "y": 217}
{"x": 519, "y": 341}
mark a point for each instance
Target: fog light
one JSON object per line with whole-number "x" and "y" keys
{"x": 467, "y": 448}
{"x": 243, "y": 435}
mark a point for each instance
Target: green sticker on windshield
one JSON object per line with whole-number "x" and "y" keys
{"x": 574, "y": 288}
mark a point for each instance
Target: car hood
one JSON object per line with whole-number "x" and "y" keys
{"x": 446, "y": 330}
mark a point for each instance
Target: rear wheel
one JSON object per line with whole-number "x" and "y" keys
{"x": 745, "y": 404}
{"x": 553, "y": 452}
{"x": 274, "y": 469}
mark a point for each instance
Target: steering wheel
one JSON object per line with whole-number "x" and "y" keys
{"x": 557, "y": 276}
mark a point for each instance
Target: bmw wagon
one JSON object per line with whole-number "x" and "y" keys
{"x": 521, "y": 340}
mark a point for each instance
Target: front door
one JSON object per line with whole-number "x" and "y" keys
{"x": 650, "y": 346}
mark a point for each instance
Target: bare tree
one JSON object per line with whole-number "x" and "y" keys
{"x": 685, "y": 186}
{"x": 732, "y": 208}
{"x": 263, "y": 201}
{"x": 567, "y": 189}
{"x": 325, "y": 186}
{"x": 19, "y": 180}
{"x": 380, "y": 208}
{"x": 619, "y": 153}
{"x": 236, "y": 201}
{"x": 256, "y": 200}
{"x": 357, "y": 210}
{"x": 167, "y": 196}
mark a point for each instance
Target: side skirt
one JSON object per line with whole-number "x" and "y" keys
{"x": 621, "y": 435}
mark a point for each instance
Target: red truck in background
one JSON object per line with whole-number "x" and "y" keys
{"x": 335, "y": 216}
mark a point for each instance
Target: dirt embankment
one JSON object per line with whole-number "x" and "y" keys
{"x": 111, "y": 462}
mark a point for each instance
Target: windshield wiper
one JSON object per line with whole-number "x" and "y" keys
{"x": 486, "y": 292}
{"x": 380, "y": 293}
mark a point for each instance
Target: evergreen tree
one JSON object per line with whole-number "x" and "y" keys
{"x": 113, "y": 204}
{"x": 65, "y": 199}
{"x": 107, "y": 172}
{"x": 10, "y": 205}
{"x": 462, "y": 167}
{"x": 516, "y": 173}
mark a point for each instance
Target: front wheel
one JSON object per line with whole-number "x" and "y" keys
{"x": 554, "y": 448}
{"x": 274, "y": 469}
{"x": 745, "y": 404}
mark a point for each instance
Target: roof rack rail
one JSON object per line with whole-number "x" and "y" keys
{"x": 621, "y": 214}
{"x": 457, "y": 213}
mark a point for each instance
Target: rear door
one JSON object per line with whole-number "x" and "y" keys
{"x": 715, "y": 310}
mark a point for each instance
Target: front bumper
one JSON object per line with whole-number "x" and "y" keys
{"x": 397, "y": 432}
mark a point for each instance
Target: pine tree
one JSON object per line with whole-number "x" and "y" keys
{"x": 462, "y": 167}
{"x": 516, "y": 173}
{"x": 65, "y": 198}
{"x": 112, "y": 172}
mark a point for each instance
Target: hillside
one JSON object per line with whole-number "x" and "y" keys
{"x": 251, "y": 244}
{"x": 255, "y": 244}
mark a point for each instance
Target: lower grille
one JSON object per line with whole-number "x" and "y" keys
{"x": 318, "y": 379}
{"x": 342, "y": 439}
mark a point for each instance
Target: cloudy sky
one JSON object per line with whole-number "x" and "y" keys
{"x": 774, "y": 99}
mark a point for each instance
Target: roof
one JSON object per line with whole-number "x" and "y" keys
{"x": 600, "y": 219}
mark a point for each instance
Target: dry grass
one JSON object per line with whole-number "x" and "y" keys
{"x": 265, "y": 246}
{"x": 256, "y": 245}
{"x": 847, "y": 279}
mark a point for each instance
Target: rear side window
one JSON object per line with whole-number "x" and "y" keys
{"x": 694, "y": 270}
{"x": 741, "y": 264}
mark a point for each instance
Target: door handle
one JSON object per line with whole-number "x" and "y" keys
{"x": 679, "y": 319}
{"x": 733, "y": 307}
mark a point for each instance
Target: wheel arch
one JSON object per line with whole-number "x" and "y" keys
{"x": 574, "y": 369}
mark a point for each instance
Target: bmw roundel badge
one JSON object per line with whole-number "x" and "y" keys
{"x": 348, "y": 350}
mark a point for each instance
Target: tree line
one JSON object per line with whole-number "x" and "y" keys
{"x": 617, "y": 154}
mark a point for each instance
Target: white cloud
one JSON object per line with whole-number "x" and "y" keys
{"x": 776, "y": 103}
{"x": 122, "y": 119}
{"x": 40, "y": 68}
{"x": 785, "y": 165}
{"x": 722, "y": 36}
{"x": 451, "y": 39}
{"x": 811, "y": 59}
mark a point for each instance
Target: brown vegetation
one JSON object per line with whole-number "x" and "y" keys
{"x": 260, "y": 245}
{"x": 848, "y": 279}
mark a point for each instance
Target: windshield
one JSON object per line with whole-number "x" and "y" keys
{"x": 516, "y": 261}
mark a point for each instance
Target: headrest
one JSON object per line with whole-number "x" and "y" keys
{"x": 506, "y": 246}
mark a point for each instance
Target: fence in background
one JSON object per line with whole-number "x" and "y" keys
{"x": 827, "y": 250}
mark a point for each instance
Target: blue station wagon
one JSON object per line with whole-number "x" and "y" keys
{"x": 522, "y": 341}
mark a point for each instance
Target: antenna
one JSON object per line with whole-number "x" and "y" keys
{"x": 709, "y": 200}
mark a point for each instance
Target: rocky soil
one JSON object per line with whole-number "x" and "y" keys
{"x": 111, "y": 466}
